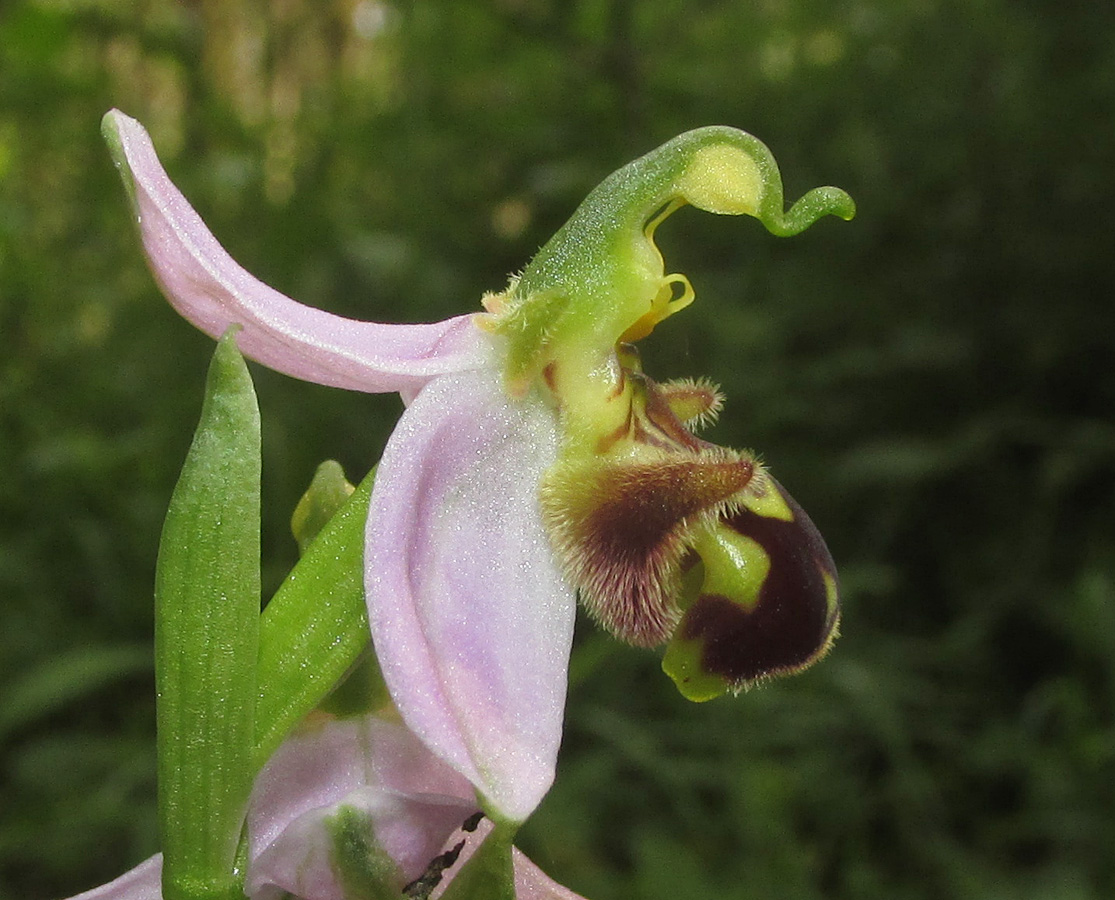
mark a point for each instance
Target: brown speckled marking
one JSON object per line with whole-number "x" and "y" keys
{"x": 652, "y": 438}
{"x": 659, "y": 413}
{"x": 608, "y": 441}
{"x": 621, "y": 385}
{"x": 549, "y": 375}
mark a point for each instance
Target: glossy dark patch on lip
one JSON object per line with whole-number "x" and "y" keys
{"x": 791, "y": 624}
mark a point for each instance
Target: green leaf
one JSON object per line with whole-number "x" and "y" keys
{"x": 207, "y": 590}
{"x": 315, "y": 627}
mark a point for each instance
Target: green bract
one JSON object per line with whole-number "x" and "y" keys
{"x": 326, "y": 495}
{"x": 206, "y": 640}
{"x": 315, "y": 627}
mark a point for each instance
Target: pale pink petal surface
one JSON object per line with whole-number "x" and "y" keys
{"x": 320, "y": 765}
{"x": 144, "y": 882}
{"x": 531, "y": 883}
{"x": 410, "y": 829}
{"x": 471, "y": 619}
{"x": 210, "y": 289}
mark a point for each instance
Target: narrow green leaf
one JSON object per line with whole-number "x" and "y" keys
{"x": 207, "y": 590}
{"x": 315, "y": 627}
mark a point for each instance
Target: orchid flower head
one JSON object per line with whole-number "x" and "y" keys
{"x": 667, "y": 538}
{"x": 535, "y": 461}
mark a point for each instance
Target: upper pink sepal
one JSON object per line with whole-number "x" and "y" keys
{"x": 210, "y": 289}
{"x": 471, "y": 619}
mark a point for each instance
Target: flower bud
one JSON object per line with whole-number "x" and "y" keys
{"x": 326, "y": 494}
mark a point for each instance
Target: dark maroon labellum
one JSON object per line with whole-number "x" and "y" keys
{"x": 794, "y": 619}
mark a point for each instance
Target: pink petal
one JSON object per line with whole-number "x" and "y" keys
{"x": 212, "y": 291}
{"x": 319, "y": 766}
{"x": 144, "y": 882}
{"x": 410, "y": 829}
{"x": 471, "y": 619}
{"x": 411, "y": 800}
{"x": 531, "y": 883}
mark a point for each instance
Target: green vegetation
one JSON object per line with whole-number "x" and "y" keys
{"x": 933, "y": 383}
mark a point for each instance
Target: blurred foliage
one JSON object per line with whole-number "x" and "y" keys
{"x": 933, "y": 382}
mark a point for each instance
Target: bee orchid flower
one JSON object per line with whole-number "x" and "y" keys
{"x": 535, "y": 462}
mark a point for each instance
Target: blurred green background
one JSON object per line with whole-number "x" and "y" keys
{"x": 932, "y": 381}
